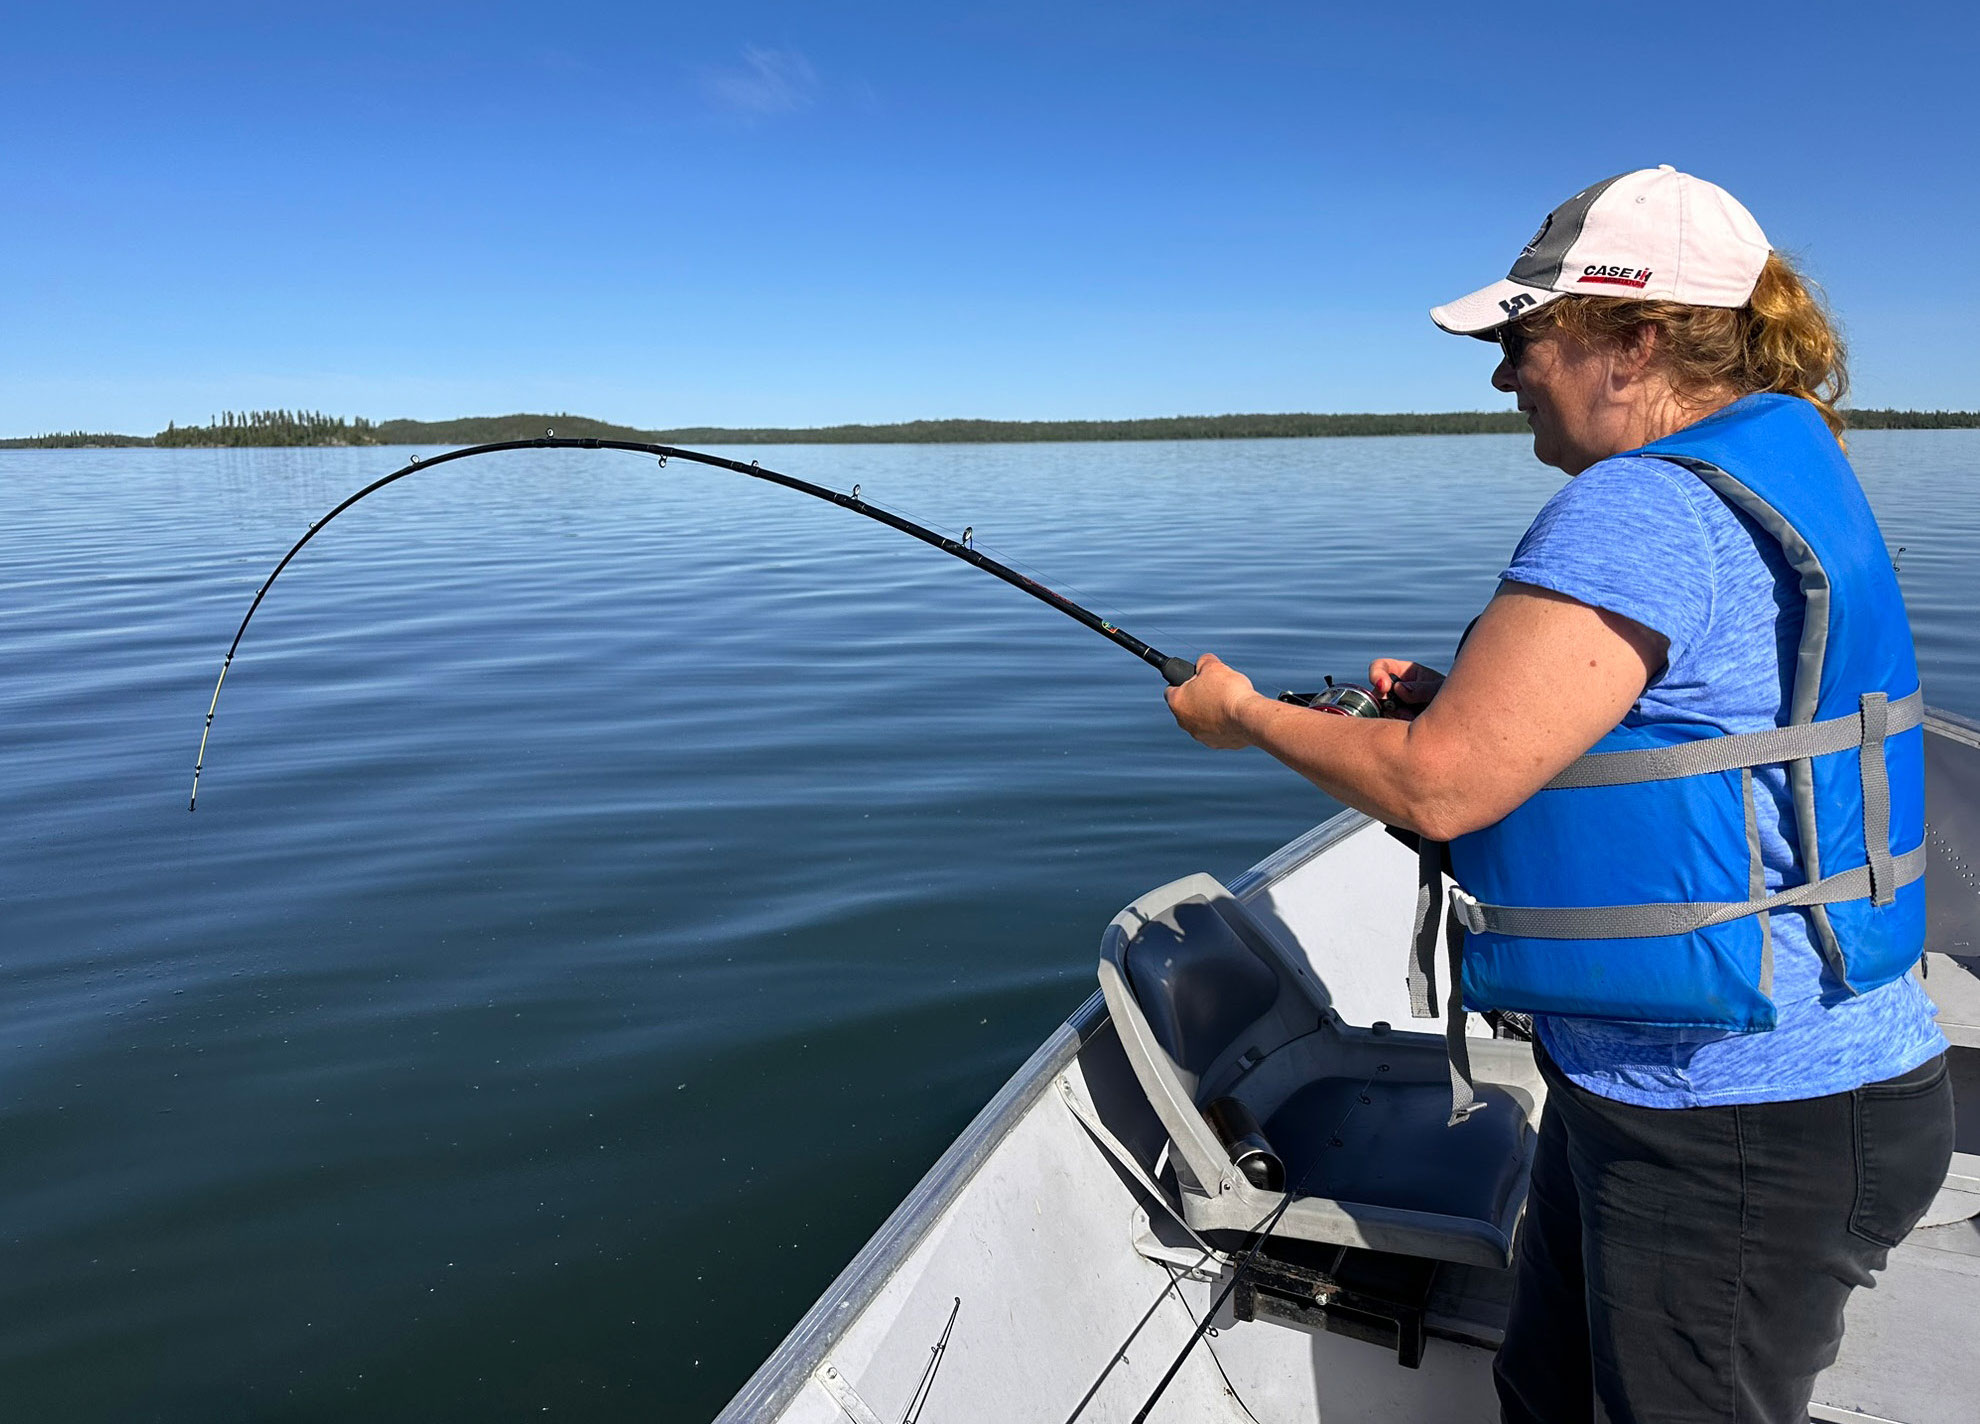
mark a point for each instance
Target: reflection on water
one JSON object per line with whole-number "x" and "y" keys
{"x": 612, "y": 887}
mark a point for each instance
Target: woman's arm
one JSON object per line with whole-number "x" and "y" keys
{"x": 1541, "y": 678}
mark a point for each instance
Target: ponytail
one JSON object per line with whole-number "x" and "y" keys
{"x": 1790, "y": 343}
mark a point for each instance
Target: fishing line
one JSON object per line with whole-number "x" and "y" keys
{"x": 1175, "y": 1281}
{"x": 1093, "y": 602}
{"x": 1260, "y": 1235}
{"x": 1097, "y": 603}
{"x": 1176, "y": 670}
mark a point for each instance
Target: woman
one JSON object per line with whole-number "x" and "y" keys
{"x": 1748, "y": 1100}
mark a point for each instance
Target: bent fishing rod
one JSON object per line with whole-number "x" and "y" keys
{"x": 1176, "y": 670}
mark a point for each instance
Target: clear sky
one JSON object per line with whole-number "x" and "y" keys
{"x": 746, "y": 213}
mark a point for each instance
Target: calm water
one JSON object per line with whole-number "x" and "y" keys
{"x": 613, "y": 887}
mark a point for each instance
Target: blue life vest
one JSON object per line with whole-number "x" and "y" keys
{"x": 1631, "y": 887}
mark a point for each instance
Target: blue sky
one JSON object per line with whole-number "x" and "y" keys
{"x": 798, "y": 214}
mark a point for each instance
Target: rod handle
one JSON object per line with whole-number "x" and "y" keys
{"x": 1178, "y": 670}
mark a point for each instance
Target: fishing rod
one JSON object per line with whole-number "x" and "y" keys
{"x": 1176, "y": 670}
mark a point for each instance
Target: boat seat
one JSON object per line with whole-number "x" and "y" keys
{"x": 1401, "y": 1151}
{"x": 1209, "y": 1004}
{"x": 1199, "y": 984}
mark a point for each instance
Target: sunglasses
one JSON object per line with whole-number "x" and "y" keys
{"x": 1513, "y": 340}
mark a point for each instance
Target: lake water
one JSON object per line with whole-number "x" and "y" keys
{"x": 612, "y": 886}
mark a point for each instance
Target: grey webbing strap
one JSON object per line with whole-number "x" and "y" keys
{"x": 1756, "y": 877}
{"x": 1738, "y": 749}
{"x": 1875, "y": 716}
{"x": 1423, "y": 974}
{"x": 1649, "y": 921}
{"x": 1464, "y": 1097}
{"x": 1423, "y": 930}
{"x": 1756, "y": 869}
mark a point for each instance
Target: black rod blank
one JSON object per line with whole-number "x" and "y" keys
{"x": 1176, "y": 670}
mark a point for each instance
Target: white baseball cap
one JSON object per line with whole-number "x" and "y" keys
{"x": 1655, "y": 235}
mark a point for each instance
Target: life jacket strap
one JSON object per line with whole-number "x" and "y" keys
{"x": 1681, "y": 917}
{"x": 1423, "y": 931}
{"x": 1875, "y": 714}
{"x": 1423, "y": 975}
{"x": 1739, "y": 749}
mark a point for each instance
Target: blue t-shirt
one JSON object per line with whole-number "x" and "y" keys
{"x": 1646, "y": 539}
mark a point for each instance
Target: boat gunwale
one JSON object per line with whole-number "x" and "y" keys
{"x": 1298, "y": 851}
{"x": 1952, "y": 726}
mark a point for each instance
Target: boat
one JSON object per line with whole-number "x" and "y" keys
{"x": 1330, "y": 1250}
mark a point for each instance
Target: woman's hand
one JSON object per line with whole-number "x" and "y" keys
{"x": 1408, "y": 686}
{"x": 1538, "y": 682}
{"x": 1207, "y": 706}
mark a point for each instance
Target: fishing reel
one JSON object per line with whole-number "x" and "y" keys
{"x": 1343, "y": 699}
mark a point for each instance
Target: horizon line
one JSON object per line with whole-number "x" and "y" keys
{"x": 1228, "y": 424}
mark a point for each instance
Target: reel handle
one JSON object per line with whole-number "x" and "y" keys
{"x": 1343, "y": 699}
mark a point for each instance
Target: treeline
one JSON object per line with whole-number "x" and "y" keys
{"x": 486, "y": 429}
{"x": 479, "y": 430}
{"x": 1174, "y": 427}
{"x": 282, "y": 427}
{"x": 1912, "y": 419}
{"x": 74, "y": 440}
{"x": 483, "y": 429}
{"x": 271, "y": 427}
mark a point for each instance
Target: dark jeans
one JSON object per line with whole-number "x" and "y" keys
{"x": 1681, "y": 1264}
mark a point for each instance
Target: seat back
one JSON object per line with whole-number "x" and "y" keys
{"x": 1198, "y": 984}
{"x": 1196, "y": 988}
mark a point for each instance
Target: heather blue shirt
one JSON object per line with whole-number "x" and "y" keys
{"x": 1646, "y": 539}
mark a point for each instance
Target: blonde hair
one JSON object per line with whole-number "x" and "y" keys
{"x": 1782, "y": 340}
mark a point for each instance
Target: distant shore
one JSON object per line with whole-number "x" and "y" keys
{"x": 287, "y": 429}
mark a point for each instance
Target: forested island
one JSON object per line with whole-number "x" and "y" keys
{"x": 301, "y": 428}
{"x": 254, "y": 427}
{"x": 273, "y": 427}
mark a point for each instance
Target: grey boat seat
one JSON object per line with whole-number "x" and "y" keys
{"x": 1209, "y": 1004}
{"x": 1401, "y": 1152}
